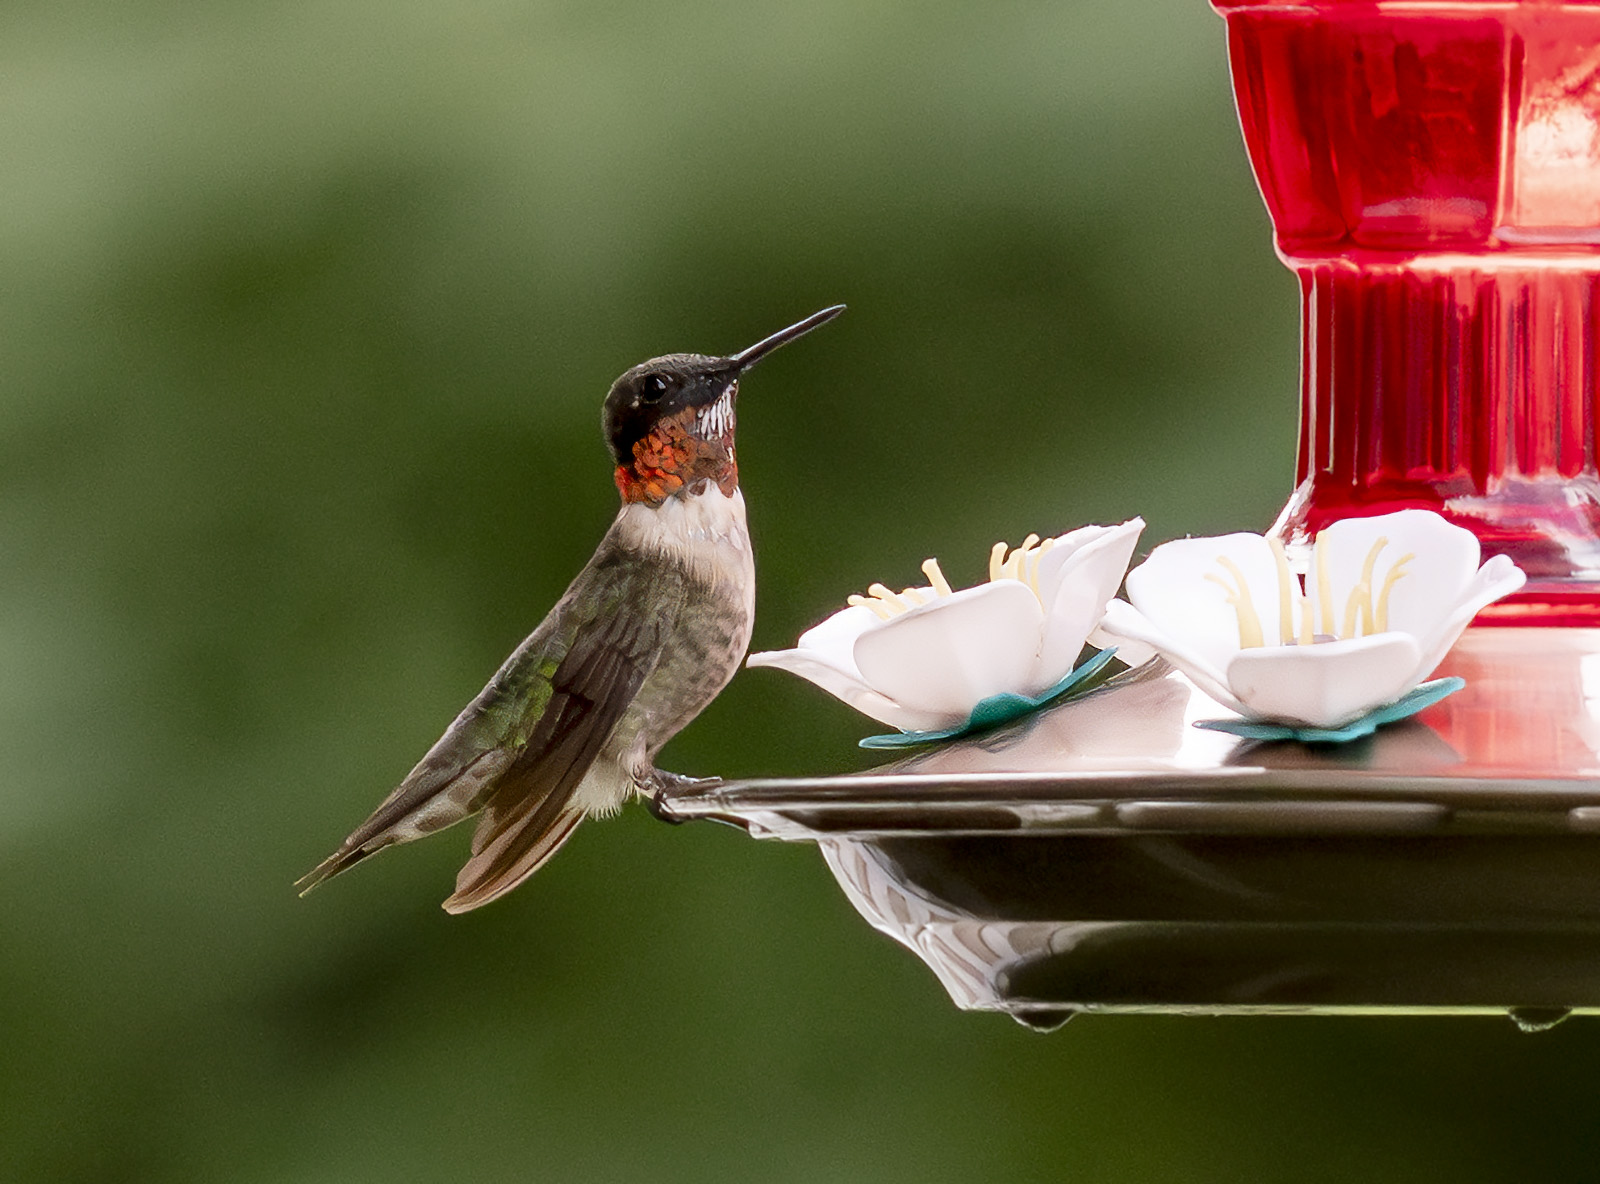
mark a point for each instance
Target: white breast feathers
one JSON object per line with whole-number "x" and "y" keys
{"x": 705, "y": 530}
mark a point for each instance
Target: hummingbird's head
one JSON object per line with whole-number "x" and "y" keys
{"x": 670, "y": 421}
{"x": 691, "y": 391}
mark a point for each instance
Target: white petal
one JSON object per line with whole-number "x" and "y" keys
{"x": 1421, "y": 599}
{"x": 1071, "y": 548}
{"x": 1497, "y": 578}
{"x": 835, "y": 638}
{"x": 814, "y": 666}
{"x": 1134, "y": 653}
{"x": 1125, "y": 627}
{"x": 1326, "y": 685}
{"x": 1171, "y": 589}
{"x": 1084, "y": 585}
{"x": 942, "y": 658}
{"x": 825, "y": 655}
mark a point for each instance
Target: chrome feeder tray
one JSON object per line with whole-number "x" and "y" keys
{"x": 1107, "y": 856}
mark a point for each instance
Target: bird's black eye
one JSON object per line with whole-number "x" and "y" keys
{"x": 653, "y": 388}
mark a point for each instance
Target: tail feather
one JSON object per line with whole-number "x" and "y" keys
{"x": 445, "y": 787}
{"x": 490, "y": 874}
{"x": 341, "y": 860}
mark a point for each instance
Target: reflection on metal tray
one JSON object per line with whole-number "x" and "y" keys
{"x": 1105, "y": 855}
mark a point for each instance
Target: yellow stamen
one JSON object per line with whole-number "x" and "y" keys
{"x": 877, "y": 606}
{"x": 1287, "y": 587}
{"x": 890, "y": 600}
{"x": 1324, "y": 581}
{"x": 1250, "y": 635}
{"x": 1389, "y": 581}
{"x": 1352, "y": 610}
{"x": 1020, "y": 564}
{"x": 1361, "y": 595}
{"x": 941, "y": 586}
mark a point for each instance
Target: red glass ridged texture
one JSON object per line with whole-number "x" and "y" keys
{"x": 1433, "y": 176}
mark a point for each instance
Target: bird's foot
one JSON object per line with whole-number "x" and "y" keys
{"x": 658, "y": 783}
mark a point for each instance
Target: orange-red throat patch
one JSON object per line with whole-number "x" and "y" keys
{"x": 674, "y": 455}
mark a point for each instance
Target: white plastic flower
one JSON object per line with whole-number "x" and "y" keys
{"x": 922, "y": 659}
{"x": 1384, "y": 600}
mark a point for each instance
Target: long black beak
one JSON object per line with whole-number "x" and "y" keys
{"x": 745, "y": 359}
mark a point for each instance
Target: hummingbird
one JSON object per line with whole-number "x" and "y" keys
{"x": 645, "y": 637}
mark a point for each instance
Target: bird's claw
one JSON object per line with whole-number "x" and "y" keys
{"x": 659, "y": 809}
{"x": 660, "y": 783}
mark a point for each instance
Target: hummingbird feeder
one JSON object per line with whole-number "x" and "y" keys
{"x": 1432, "y": 172}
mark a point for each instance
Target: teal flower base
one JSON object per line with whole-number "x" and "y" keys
{"x": 1413, "y": 701}
{"x": 1002, "y": 708}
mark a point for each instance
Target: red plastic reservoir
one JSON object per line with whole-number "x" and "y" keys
{"x": 1433, "y": 176}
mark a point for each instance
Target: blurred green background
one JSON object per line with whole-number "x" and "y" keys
{"x": 309, "y": 308}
